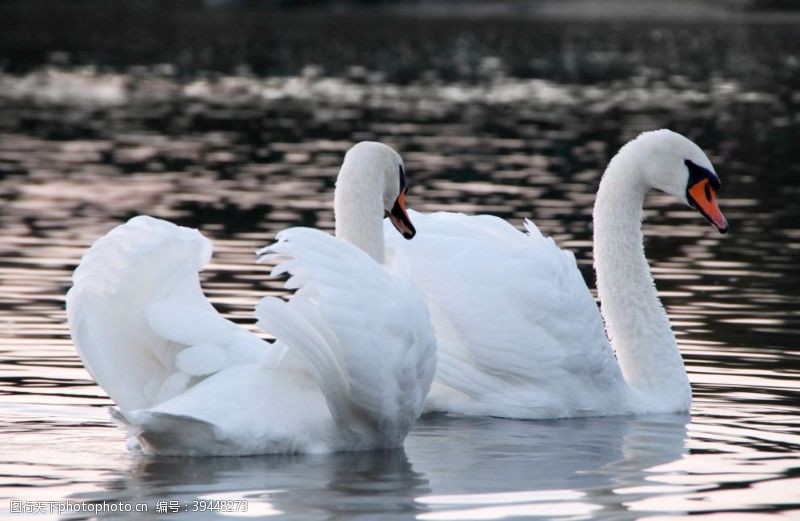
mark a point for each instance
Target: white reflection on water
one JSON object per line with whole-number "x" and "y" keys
{"x": 450, "y": 469}
{"x": 242, "y": 158}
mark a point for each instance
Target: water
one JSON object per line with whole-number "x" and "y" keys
{"x": 242, "y": 156}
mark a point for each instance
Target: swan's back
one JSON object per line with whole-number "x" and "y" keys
{"x": 519, "y": 332}
{"x": 365, "y": 334}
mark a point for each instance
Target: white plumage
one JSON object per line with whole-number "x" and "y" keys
{"x": 353, "y": 363}
{"x": 519, "y": 334}
{"x": 140, "y": 320}
{"x": 364, "y": 334}
{"x": 518, "y": 331}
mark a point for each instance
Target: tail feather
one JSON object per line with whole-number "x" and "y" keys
{"x": 176, "y": 435}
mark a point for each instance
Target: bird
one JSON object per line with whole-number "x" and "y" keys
{"x": 354, "y": 355}
{"x": 520, "y": 335}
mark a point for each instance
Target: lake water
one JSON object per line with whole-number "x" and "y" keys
{"x": 242, "y": 156}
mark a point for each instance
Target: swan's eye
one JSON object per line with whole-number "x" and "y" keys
{"x": 403, "y": 186}
{"x": 701, "y": 190}
{"x": 697, "y": 174}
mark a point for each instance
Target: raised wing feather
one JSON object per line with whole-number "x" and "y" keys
{"x": 139, "y": 319}
{"x": 365, "y": 334}
{"x": 515, "y": 322}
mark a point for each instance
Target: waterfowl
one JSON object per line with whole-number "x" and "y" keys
{"x": 355, "y": 350}
{"x": 519, "y": 334}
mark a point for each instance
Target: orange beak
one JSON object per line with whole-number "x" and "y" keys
{"x": 399, "y": 217}
{"x": 703, "y": 197}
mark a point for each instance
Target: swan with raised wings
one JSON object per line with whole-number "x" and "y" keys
{"x": 519, "y": 334}
{"x": 355, "y": 351}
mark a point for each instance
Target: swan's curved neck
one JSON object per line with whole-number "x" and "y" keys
{"x": 637, "y": 324}
{"x": 358, "y": 209}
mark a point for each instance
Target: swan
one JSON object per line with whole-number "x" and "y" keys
{"x": 519, "y": 334}
{"x": 355, "y": 350}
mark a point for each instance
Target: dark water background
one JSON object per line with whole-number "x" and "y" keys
{"x": 236, "y": 122}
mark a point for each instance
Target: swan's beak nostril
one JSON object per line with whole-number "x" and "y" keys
{"x": 399, "y": 217}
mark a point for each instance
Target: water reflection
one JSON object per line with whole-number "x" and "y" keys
{"x": 475, "y": 463}
{"x": 338, "y": 486}
{"x": 451, "y": 469}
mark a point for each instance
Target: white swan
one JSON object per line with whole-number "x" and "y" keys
{"x": 519, "y": 334}
{"x": 356, "y": 351}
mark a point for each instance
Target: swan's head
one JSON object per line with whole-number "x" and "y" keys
{"x": 675, "y": 165}
{"x": 380, "y": 164}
